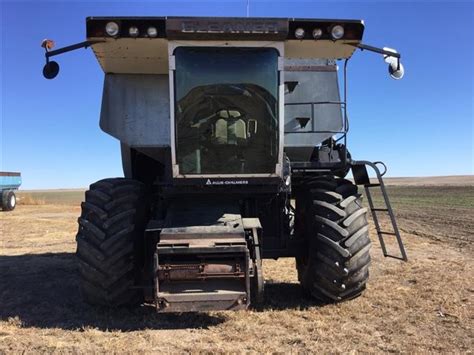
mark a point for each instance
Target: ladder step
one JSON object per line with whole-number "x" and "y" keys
{"x": 403, "y": 258}
{"x": 361, "y": 177}
{"x": 388, "y": 233}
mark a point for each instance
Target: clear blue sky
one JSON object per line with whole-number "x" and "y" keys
{"x": 420, "y": 126}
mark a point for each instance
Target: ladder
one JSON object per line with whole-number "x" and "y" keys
{"x": 361, "y": 177}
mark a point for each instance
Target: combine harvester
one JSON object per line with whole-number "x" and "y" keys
{"x": 9, "y": 183}
{"x": 234, "y": 147}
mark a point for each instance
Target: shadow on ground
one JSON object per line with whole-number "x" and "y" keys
{"x": 283, "y": 296}
{"x": 42, "y": 290}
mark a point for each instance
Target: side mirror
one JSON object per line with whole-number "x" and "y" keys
{"x": 252, "y": 127}
{"x": 395, "y": 68}
{"x": 50, "y": 70}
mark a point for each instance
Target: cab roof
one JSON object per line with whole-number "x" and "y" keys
{"x": 142, "y": 53}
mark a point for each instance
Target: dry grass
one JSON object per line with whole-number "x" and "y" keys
{"x": 71, "y": 197}
{"x": 28, "y": 199}
{"x": 453, "y": 180}
{"x": 424, "y": 305}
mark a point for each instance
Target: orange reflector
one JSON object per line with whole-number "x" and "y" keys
{"x": 47, "y": 44}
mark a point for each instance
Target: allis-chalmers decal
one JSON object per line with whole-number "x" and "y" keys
{"x": 226, "y": 182}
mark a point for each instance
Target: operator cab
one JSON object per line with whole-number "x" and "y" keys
{"x": 224, "y": 98}
{"x": 226, "y": 82}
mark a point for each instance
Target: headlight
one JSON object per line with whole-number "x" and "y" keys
{"x": 299, "y": 33}
{"x": 337, "y": 32}
{"x": 317, "y": 33}
{"x": 112, "y": 29}
{"x": 152, "y": 32}
{"x": 133, "y": 31}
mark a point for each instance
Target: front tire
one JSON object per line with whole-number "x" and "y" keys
{"x": 335, "y": 266}
{"x": 109, "y": 242}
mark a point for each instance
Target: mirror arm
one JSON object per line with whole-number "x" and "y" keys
{"x": 391, "y": 56}
{"x": 70, "y": 48}
{"x": 51, "y": 68}
{"x": 362, "y": 47}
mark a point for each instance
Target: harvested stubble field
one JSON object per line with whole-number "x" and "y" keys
{"x": 423, "y": 305}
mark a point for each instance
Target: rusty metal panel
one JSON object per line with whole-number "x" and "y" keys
{"x": 219, "y": 282}
{"x": 132, "y": 55}
{"x": 202, "y": 258}
{"x": 201, "y": 271}
{"x": 135, "y": 109}
{"x": 327, "y": 49}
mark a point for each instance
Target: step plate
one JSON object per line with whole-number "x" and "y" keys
{"x": 198, "y": 296}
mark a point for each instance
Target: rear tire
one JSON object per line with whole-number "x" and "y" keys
{"x": 110, "y": 242}
{"x": 335, "y": 266}
{"x": 8, "y": 200}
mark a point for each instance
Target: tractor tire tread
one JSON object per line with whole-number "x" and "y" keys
{"x": 106, "y": 241}
{"x": 338, "y": 259}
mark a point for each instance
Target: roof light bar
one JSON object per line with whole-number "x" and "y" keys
{"x": 317, "y": 33}
{"x": 133, "y": 31}
{"x": 299, "y": 33}
{"x": 152, "y": 32}
{"x": 112, "y": 29}
{"x": 337, "y": 32}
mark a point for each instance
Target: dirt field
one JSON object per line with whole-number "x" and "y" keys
{"x": 419, "y": 306}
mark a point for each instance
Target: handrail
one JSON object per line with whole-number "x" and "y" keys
{"x": 384, "y": 167}
{"x": 345, "y": 119}
{"x": 367, "y": 185}
{"x": 373, "y": 165}
{"x": 306, "y": 132}
{"x": 342, "y": 103}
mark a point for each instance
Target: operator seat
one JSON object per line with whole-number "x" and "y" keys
{"x": 230, "y": 128}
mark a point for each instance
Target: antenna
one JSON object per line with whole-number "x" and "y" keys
{"x": 248, "y": 8}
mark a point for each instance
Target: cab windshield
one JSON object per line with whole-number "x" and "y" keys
{"x": 226, "y": 110}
